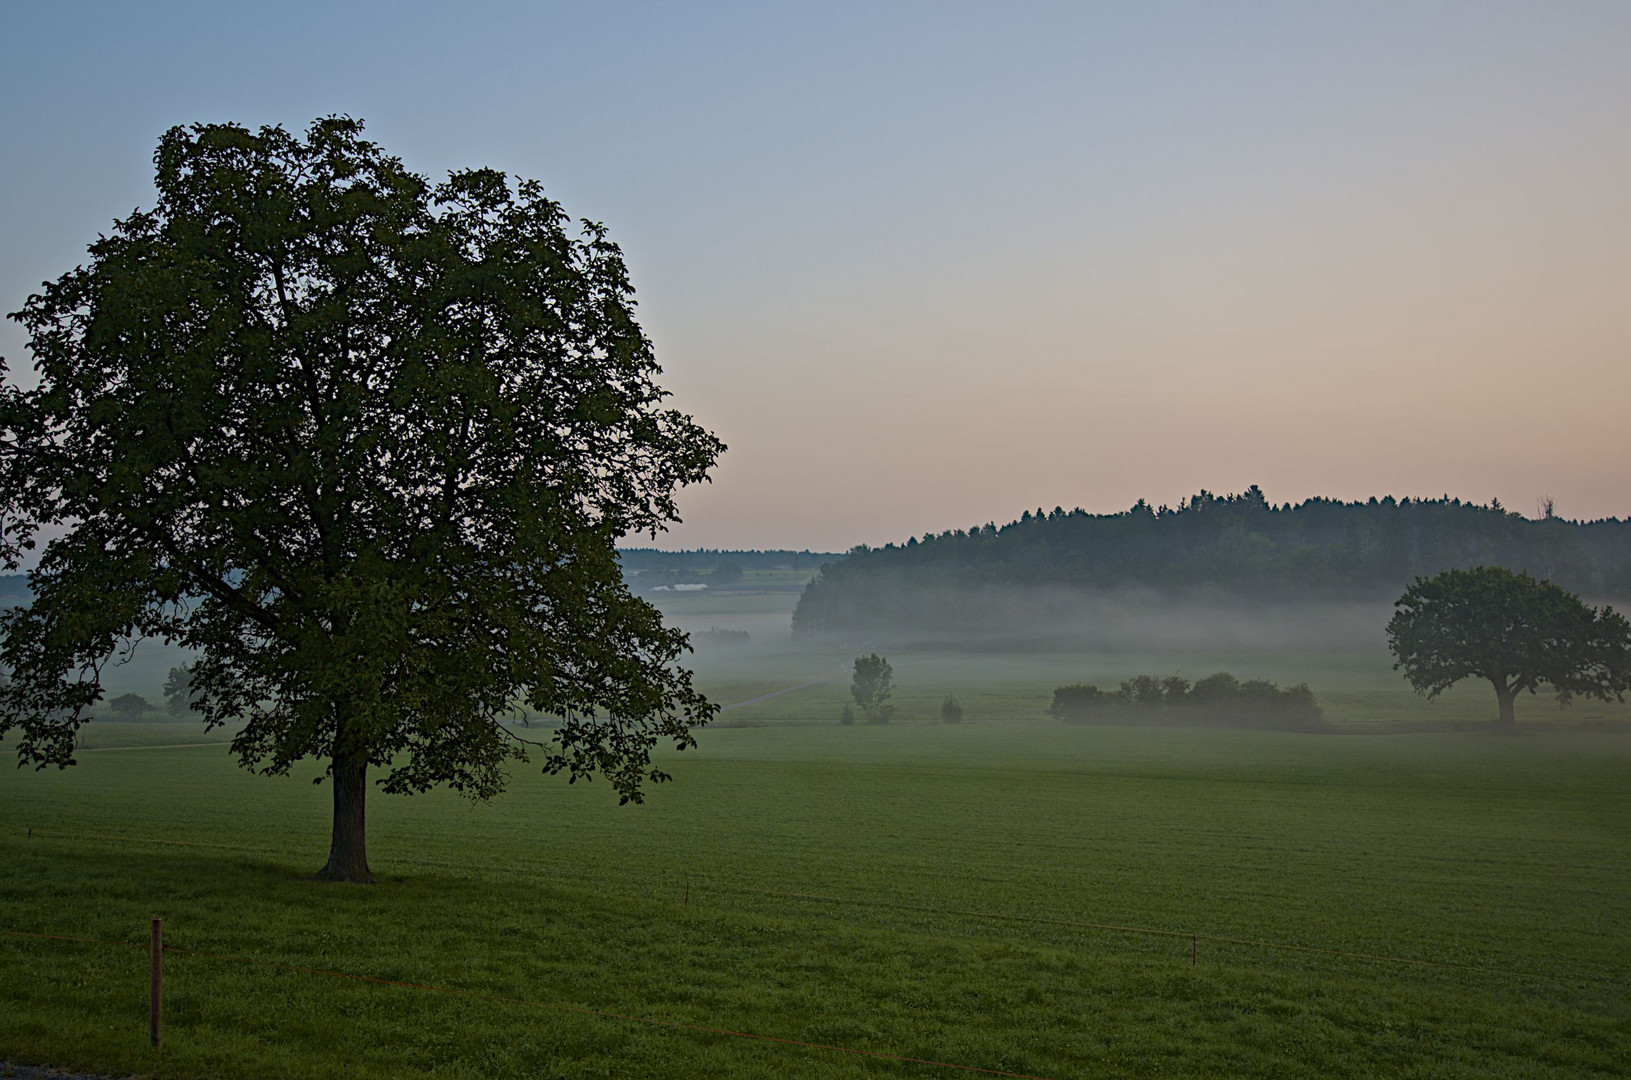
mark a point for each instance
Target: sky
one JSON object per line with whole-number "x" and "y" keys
{"x": 927, "y": 265}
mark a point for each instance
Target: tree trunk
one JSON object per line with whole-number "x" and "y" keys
{"x": 1508, "y": 721}
{"x": 348, "y": 846}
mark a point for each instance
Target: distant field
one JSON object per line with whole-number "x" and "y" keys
{"x": 1359, "y": 692}
{"x": 1357, "y": 688}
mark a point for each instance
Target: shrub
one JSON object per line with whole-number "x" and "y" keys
{"x": 1218, "y": 699}
{"x": 717, "y": 637}
{"x": 129, "y": 706}
{"x": 950, "y": 711}
{"x": 1084, "y": 703}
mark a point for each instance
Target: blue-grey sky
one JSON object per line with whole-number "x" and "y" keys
{"x": 926, "y": 265}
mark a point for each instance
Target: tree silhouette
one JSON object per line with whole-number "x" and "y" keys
{"x": 1515, "y": 631}
{"x": 365, "y": 444}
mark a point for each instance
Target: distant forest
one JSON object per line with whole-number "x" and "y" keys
{"x": 1240, "y": 547}
{"x": 646, "y": 568}
{"x": 705, "y": 559}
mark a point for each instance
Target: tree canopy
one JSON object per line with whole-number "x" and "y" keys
{"x": 364, "y": 442}
{"x": 1517, "y": 632}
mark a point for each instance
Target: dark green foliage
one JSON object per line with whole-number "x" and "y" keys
{"x": 129, "y": 706}
{"x": 962, "y": 583}
{"x": 1216, "y": 689}
{"x": 950, "y": 711}
{"x": 871, "y": 685}
{"x": 364, "y": 443}
{"x": 1218, "y": 699}
{"x": 1082, "y": 703}
{"x": 1519, "y": 633}
{"x": 847, "y": 717}
{"x": 1143, "y": 691}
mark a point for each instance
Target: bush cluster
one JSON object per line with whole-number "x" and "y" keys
{"x": 717, "y": 637}
{"x": 1219, "y": 699}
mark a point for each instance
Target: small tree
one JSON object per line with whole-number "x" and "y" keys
{"x": 950, "y": 711}
{"x": 871, "y": 686}
{"x": 1515, "y": 631}
{"x": 129, "y": 706}
{"x": 178, "y": 690}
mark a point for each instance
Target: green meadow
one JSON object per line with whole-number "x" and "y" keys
{"x": 1409, "y": 896}
{"x": 940, "y": 892}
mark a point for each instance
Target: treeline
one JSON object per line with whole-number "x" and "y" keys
{"x": 705, "y": 559}
{"x": 645, "y": 568}
{"x": 1239, "y": 545}
{"x": 1217, "y": 700}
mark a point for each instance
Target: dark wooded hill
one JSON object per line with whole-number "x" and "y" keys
{"x": 1231, "y": 549}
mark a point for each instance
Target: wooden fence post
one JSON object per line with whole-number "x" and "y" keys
{"x": 158, "y": 977}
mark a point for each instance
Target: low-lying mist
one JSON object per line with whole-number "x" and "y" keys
{"x": 1041, "y": 619}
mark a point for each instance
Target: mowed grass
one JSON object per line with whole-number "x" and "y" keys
{"x": 940, "y": 892}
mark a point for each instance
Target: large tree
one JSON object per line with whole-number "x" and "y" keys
{"x": 1517, "y": 632}
{"x": 366, "y": 444}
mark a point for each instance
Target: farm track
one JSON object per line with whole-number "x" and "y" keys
{"x": 167, "y": 746}
{"x": 776, "y": 693}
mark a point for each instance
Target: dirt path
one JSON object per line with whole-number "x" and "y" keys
{"x": 774, "y": 693}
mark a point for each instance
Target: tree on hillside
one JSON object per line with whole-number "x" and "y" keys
{"x": 1515, "y": 631}
{"x": 365, "y": 445}
{"x": 870, "y": 686}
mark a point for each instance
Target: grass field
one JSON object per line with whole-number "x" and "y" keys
{"x": 1006, "y": 894}
{"x": 919, "y": 890}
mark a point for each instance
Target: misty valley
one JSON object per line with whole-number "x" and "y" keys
{"x": 1098, "y": 825}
